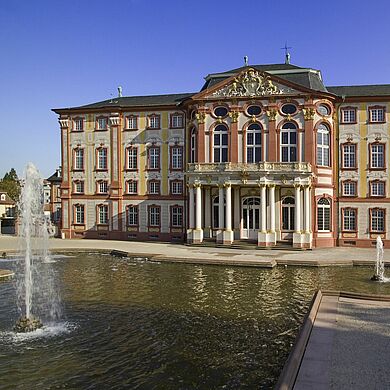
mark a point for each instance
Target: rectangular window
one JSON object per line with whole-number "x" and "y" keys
{"x": 177, "y": 157}
{"x": 132, "y": 122}
{"x": 103, "y": 214}
{"x": 349, "y": 220}
{"x": 79, "y": 159}
{"x": 377, "y": 114}
{"x": 79, "y": 213}
{"x": 377, "y": 188}
{"x": 102, "y": 123}
{"x": 78, "y": 187}
{"x": 323, "y": 215}
{"x": 154, "y": 187}
{"x": 132, "y": 187}
{"x": 132, "y": 160}
{"x": 349, "y": 188}
{"x": 102, "y": 187}
{"x": 176, "y": 187}
{"x": 154, "y": 122}
{"x": 176, "y": 121}
{"x": 377, "y": 222}
{"x": 176, "y": 216}
{"x": 78, "y": 124}
{"x": 348, "y": 115}
{"x": 323, "y": 142}
{"x": 349, "y": 156}
{"x": 132, "y": 215}
{"x": 377, "y": 160}
{"x": 154, "y": 216}
{"x": 154, "y": 158}
{"x": 102, "y": 159}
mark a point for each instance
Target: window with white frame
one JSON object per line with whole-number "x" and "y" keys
{"x": 102, "y": 123}
{"x": 154, "y": 158}
{"x": 79, "y": 213}
{"x": 132, "y": 215}
{"x": 177, "y": 157}
{"x": 132, "y": 187}
{"x": 349, "y": 219}
{"x": 253, "y": 143}
{"x": 154, "y": 121}
{"x": 193, "y": 145}
{"x": 349, "y": 188}
{"x": 102, "y": 161}
{"x": 132, "y": 122}
{"x": 348, "y": 115}
{"x": 377, "y": 114}
{"x": 154, "y": 216}
{"x": 323, "y": 215}
{"x": 132, "y": 159}
{"x": 377, "y": 153}
{"x": 377, "y": 188}
{"x": 79, "y": 159}
{"x": 102, "y": 187}
{"x": 103, "y": 214}
{"x": 176, "y": 216}
{"x": 176, "y": 187}
{"x": 220, "y": 144}
{"x": 349, "y": 156}
{"x": 323, "y": 144}
{"x": 176, "y": 121}
{"x": 154, "y": 187}
{"x": 78, "y": 187}
{"x": 288, "y": 142}
{"x": 78, "y": 124}
{"x": 377, "y": 220}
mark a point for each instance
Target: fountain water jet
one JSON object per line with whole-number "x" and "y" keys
{"x": 379, "y": 275}
{"x": 37, "y": 297}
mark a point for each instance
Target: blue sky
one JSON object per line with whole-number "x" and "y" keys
{"x": 58, "y": 53}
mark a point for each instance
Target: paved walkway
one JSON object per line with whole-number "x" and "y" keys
{"x": 209, "y": 255}
{"x": 348, "y": 341}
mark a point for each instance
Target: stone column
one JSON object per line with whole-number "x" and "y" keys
{"x": 198, "y": 207}
{"x": 207, "y": 212}
{"x": 297, "y": 208}
{"x": 272, "y": 207}
{"x": 307, "y": 209}
{"x": 237, "y": 213}
{"x": 228, "y": 233}
{"x": 191, "y": 206}
{"x": 220, "y": 208}
{"x": 263, "y": 209}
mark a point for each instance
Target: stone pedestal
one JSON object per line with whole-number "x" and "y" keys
{"x": 219, "y": 236}
{"x": 197, "y": 236}
{"x": 228, "y": 237}
{"x": 303, "y": 240}
{"x": 266, "y": 239}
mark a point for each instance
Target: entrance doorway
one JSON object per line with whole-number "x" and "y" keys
{"x": 250, "y": 218}
{"x": 288, "y": 217}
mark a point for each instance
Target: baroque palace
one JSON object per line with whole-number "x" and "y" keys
{"x": 262, "y": 153}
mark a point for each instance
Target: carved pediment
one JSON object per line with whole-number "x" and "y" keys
{"x": 252, "y": 83}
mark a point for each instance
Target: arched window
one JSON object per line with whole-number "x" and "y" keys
{"x": 323, "y": 215}
{"x": 216, "y": 212}
{"x": 220, "y": 144}
{"x": 193, "y": 145}
{"x": 323, "y": 142}
{"x": 288, "y": 213}
{"x": 288, "y": 142}
{"x": 253, "y": 143}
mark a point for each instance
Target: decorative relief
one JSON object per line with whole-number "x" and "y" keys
{"x": 271, "y": 114}
{"x": 200, "y": 117}
{"x": 308, "y": 113}
{"x": 245, "y": 168}
{"x": 114, "y": 120}
{"x": 64, "y": 123}
{"x": 234, "y": 116}
{"x": 251, "y": 83}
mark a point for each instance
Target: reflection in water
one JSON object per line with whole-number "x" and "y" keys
{"x": 134, "y": 324}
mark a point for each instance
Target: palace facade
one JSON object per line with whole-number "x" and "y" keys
{"x": 263, "y": 153}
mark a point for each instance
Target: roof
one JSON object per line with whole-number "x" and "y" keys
{"x": 7, "y": 200}
{"x": 54, "y": 178}
{"x": 361, "y": 90}
{"x": 307, "y": 77}
{"x": 135, "y": 101}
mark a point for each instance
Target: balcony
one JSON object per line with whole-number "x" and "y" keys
{"x": 261, "y": 167}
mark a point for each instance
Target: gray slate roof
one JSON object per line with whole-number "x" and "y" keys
{"x": 361, "y": 90}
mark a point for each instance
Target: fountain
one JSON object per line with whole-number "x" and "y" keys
{"x": 37, "y": 297}
{"x": 379, "y": 275}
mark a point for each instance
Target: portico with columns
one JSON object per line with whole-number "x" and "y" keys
{"x": 230, "y": 202}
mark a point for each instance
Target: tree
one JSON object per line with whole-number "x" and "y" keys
{"x": 11, "y": 185}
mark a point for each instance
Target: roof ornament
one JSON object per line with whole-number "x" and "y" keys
{"x": 120, "y": 91}
{"x": 246, "y": 60}
{"x": 287, "y": 53}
